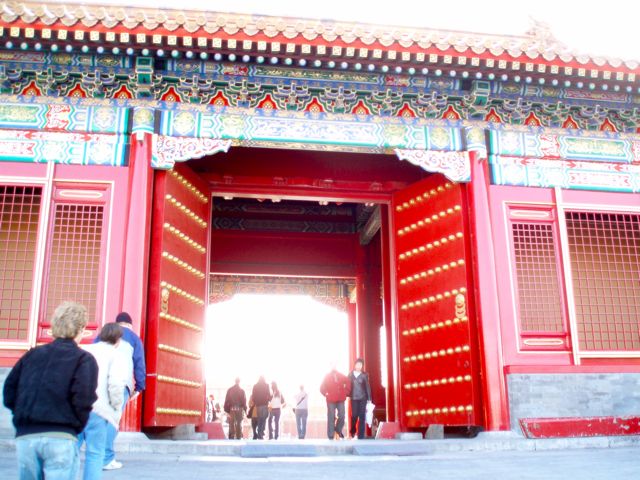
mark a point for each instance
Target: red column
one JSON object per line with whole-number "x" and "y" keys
{"x": 362, "y": 307}
{"x": 352, "y": 314}
{"x": 386, "y": 314}
{"x": 135, "y": 268}
{"x": 490, "y": 336}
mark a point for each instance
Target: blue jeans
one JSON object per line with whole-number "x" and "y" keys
{"x": 263, "y": 413}
{"x": 301, "y": 422}
{"x": 112, "y": 433}
{"x": 47, "y": 457}
{"x": 95, "y": 436}
{"x": 274, "y": 418}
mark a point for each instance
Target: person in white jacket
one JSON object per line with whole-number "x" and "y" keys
{"x": 108, "y": 408}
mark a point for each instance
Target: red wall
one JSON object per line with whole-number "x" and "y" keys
{"x": 289, "y": 254}
{"x": 73, "y": 176}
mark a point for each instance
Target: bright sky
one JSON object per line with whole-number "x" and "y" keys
{"x": 291, "y": 339}
{"x": 608, "y": 28}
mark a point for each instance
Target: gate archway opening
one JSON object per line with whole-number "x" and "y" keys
{"x": 400, "y": 231}
{"x": 287, "y": 338}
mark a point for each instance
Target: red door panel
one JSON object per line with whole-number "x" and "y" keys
{"x": 177, "y": 299}
{"x": 438, "y": 371}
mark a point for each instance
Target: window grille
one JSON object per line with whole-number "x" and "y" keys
{"x": 537, "y": 278}
{"x": 605, "y": 264}
{"x": 19, "y": 216}
{"x": 75, "y": 258}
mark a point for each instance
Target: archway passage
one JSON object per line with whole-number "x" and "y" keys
{"x": 291, "y": 339}
{"x": 399, "y": 232}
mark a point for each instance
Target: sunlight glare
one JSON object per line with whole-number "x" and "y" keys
{"x": 291, "y": 339}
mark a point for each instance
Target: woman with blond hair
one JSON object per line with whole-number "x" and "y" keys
{"x": 51, "y": 391}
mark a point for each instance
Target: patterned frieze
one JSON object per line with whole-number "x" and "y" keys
{"x": 73, "y": 62}
{"x": 432, "y": 96}
{"x": 568, "y": 174}
{"x": 73, "y": 118}
{"x": 570, "y": 147}
{"x": 62, "y": 147}
{"x": 335, "y": 130}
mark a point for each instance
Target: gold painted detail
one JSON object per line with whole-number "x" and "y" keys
{"x": 438, "y": 381}
{"x": 184, "y": 265}
{"x": 428, "y": 220}
{"x": 437, "y": 411}
{"x": 186, "y": 210}
{"x": 461, "y": 306}
{"x": 179, "y": 381}
{"x": 432, "y": 298}
{"x": 164, "y": 300}
{"x": 189, "y": 186}
{"x": 433, "y": 326}
{"x": 182, "y": 293}
{"x": 430, "y": 246}
{"x": 432, "y": 271}
{"x": 179, "y": 321}
{"x": 417, "y": 200}
{"x": 443, "y": 352}
{"x": 185, "y": 238}
{"x": 178, "y": 411}
{"x": 543, "y": 342}
{"x": 178, "y": 351}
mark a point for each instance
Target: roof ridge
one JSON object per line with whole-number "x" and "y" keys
{"x": 538, "y": 41}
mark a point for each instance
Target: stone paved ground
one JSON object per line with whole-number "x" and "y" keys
{"x": 583, "y": 464}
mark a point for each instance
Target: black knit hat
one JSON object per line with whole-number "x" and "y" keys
{"x": 124, "y": 317}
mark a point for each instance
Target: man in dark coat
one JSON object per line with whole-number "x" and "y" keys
{"x": 335, "y": 388}
{"x": 360, "y": 396}
{"x": 51, "y": 391}
{"x": 261, "y": 396}
{"x": 235, "y": 404}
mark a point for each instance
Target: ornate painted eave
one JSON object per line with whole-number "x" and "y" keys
{"x": 536, "y": 54}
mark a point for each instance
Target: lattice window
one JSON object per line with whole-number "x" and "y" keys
{"x": 537, "y": 277}
{"x": 75, "y": 258}
{"x": 605, "y": 264}
{"x": 19, "y": 215}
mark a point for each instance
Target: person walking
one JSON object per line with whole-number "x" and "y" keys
{"x": 50, "y": 392}
{"x": 301, "y": 411}
{"x": 335, "y": 388}
{"x": 276, "y": 405}
{"x": 235, "y": 404}
{"x": 210, "y": 409}
{"x": 253, "y": 415}
{"x": 132, "y": 353}
{"x": 107, "y": 409}
{"x": 261, "y": 397}
{"x": 360, "y": 396}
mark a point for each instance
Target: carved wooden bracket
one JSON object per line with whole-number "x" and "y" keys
{"x": 169, "y": 150}
{"x": 453, "y": 165}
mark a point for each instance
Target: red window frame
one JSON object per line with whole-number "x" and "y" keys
{"x": 538, "y": 340}
{"x": 6, "y": 341}
{"x": 79, "y": 194}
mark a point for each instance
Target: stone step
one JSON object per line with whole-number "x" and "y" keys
{"x": 137, "y": 443}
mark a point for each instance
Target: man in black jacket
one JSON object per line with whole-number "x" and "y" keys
{"x": 235, "y": 404}
{"x": 360, "y": 396}
{"x": 50, "y": 392}
{"x": 261, "y": 396}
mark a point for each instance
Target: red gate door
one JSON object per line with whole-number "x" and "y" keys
{"x": 177, "y": 299}
{"x": 438, "y": 359}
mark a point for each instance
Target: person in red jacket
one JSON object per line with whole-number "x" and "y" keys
{"x": 335, "y": 387}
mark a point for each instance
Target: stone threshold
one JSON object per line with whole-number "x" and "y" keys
{"x": 137, "y": 443}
